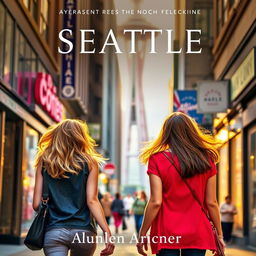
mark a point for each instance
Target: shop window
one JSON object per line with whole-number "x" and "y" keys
{"x": 237, "y": 182}
{"x": 28, "y": 178}
{"x": 223, "y": 174}
{"x": 8, "y": 48}
{"x": 9, "y": 205}
{"x": 44, "y": 18}
{"x": 252, "y": 179}
{"x": 2, "y": 16}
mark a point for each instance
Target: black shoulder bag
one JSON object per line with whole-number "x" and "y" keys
{"x": 219, "y": 247}
{"x": 35, "y": 236}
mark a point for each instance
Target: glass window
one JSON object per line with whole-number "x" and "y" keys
{"x": 237, "y": 181}
{"x": 11, "y": 165}
{"x": 44, "y": 18}
{"x": 28, "y": 178}
{"x": 8, "y": 48}
{"x": 223, "y": 173}
{"x": 252, "y": 173}
{"x": 2, "y": 12}
{"x": 204, "y": 22}
{"x": 19, "y": 59}
{"x": 25, "y": 68}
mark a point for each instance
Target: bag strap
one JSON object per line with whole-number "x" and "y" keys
{"x": 189, "y": 187}
{"x": 45, "y": 195}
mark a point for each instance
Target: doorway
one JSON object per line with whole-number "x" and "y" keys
{"x": 9, "y": 213}
{"x": 252, "y": 184}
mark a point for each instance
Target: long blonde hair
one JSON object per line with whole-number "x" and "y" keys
{"x": 194, "y": 147}
{"x": 65, "y": 147}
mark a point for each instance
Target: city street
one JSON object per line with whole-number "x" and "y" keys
{"x": 151, "y": 102}
{"x": 120, "y": 250}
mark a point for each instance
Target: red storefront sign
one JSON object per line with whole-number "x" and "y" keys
{"x": 45, "y": 95}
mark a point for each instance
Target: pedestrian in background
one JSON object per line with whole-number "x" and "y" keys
{"x": 181, "y": 161}
{"x": 138, "y": 209}
{"x": 128, "y": 202}
{"x": 69, "y": 164}
{"x": 106, "y": 203}
{"x": 117, "y": 208}
{"x": 227, "y": 210}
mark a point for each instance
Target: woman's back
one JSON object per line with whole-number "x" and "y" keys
{"x": 70, "y": 171}
{"x": 67, "y": 201}
{"x": 180, "y": 214}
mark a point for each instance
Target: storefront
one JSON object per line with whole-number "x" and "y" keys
{"x": 28, "y": 105}
{"x": 237, "y": 131}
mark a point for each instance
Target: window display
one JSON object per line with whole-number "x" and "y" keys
{"x": 237, "y": 182}
{"x": 28, "y": 213}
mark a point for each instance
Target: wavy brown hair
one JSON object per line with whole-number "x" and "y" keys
{"x": 194, "y": 147}
{"x": 65, "y": 148}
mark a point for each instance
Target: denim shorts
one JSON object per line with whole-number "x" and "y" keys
{"x": 58, "y": 241}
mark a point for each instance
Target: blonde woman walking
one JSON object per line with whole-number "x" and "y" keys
{"x": 67, "y": 156}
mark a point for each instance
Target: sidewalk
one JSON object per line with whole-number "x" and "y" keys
{"x": 126, "y": 249}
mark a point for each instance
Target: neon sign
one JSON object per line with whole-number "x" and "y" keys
{"x": 45, "y": 95}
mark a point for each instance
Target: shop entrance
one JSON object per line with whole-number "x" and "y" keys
{"x": 9, "y": 207}
{"x": 252, "y": 184}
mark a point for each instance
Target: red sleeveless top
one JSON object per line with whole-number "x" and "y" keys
{"x": 180, "y": 220}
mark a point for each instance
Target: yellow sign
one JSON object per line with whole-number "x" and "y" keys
{"x": 243, "y": 75}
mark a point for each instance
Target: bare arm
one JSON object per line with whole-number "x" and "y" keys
{"x": 212, "y": 204}
{"x": 96, "y": 208}
{"x": 38, "y": 189}
{"x": 152, "y": 209}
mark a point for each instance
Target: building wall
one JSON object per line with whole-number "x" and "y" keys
{"x": 96, "y": 67}
{"x": 198, "y": 66}
{"x": 111, "y": 124}
{"x": 241, "y": 16}
{"x": 26, "y": 51}
{"x": 234, "y": 39}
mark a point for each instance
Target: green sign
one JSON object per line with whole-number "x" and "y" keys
{"x": 243, "y": 75}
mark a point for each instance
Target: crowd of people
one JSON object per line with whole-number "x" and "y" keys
{"x": 120, "y": 208}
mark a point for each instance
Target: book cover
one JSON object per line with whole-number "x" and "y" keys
{"x": 123, "y": 67}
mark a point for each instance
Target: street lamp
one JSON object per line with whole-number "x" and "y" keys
{"x": 136, "y": 114}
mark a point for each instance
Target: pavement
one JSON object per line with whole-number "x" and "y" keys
{"x": 122, "y": 249}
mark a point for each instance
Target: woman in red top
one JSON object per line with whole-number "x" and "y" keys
{"x": 176, "y": 219}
